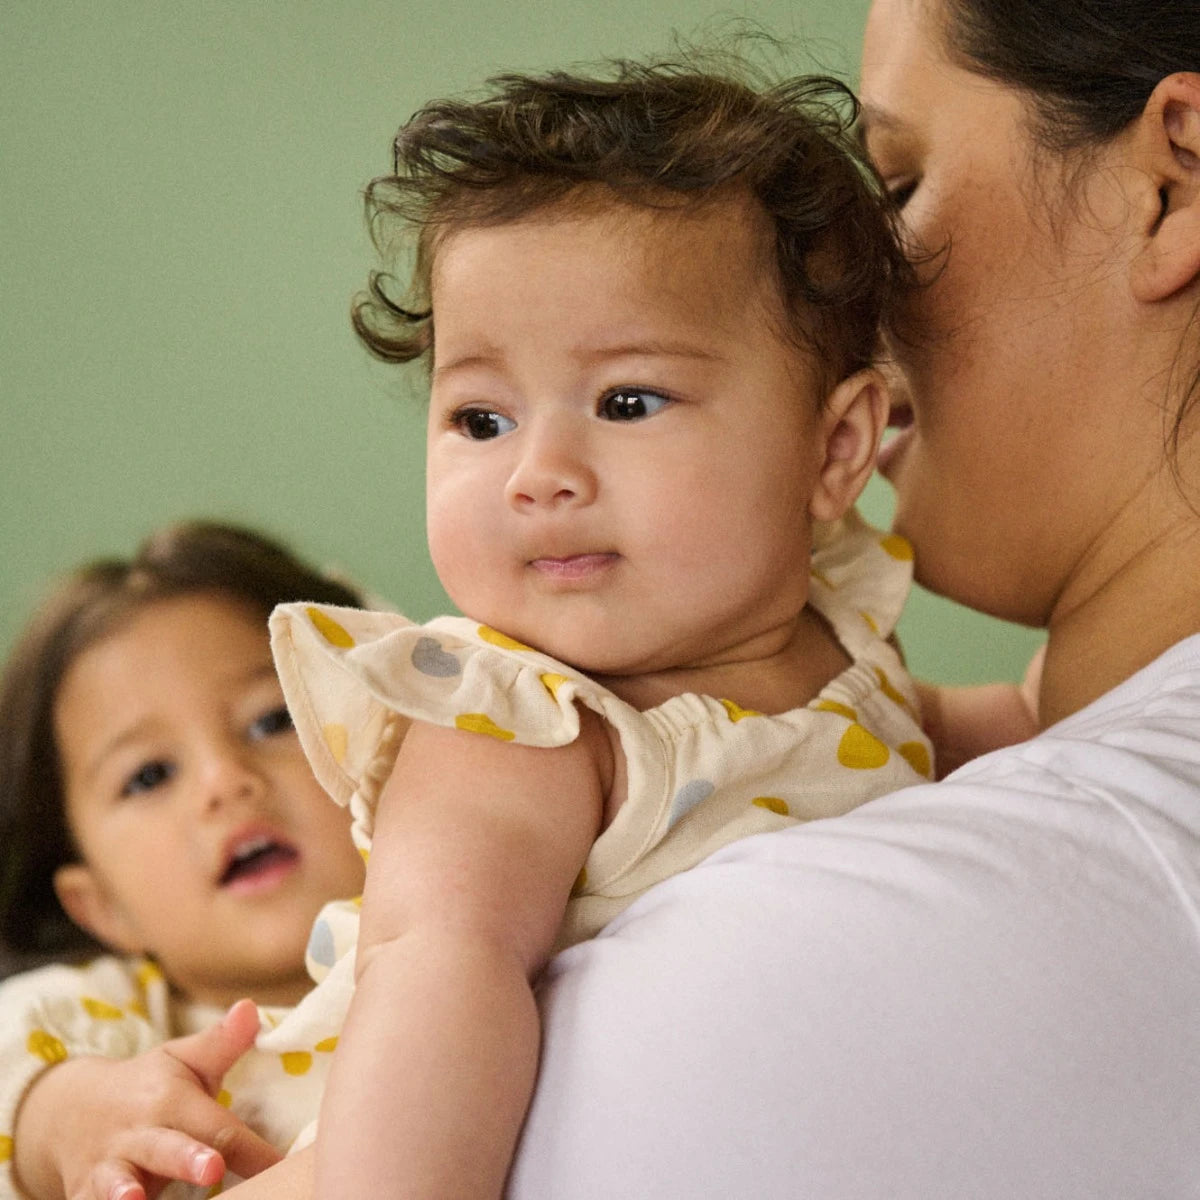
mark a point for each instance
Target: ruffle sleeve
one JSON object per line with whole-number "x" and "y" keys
{"x": 352, "y": 680}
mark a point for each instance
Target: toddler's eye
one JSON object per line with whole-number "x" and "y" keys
{"x": 147, "y": 777}
{"x": 278, "y": 720}
{"x": 481, "y": 425}
{"x": 631, "y": 404}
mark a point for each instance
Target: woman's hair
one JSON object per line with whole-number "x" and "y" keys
{"x": 1087, "y": 67}
{"x": 658, "y": 135}
{"x": 90, "y": 604}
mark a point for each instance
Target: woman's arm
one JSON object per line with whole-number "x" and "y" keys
{"x": 476, "y": 847}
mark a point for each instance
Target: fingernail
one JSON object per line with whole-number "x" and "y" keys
{"x": 203, "y": 1161}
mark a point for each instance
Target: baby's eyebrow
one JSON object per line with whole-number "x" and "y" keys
{"x": 648, "y": 349}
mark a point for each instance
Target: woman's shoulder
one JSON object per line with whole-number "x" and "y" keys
{"x": 1001, "y": 970}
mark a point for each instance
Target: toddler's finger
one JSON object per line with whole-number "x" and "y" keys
{"x": 155, "y": 1151}
{"x": 210, "y": 1053}
{"x": 244, "y": 1152}
{"x": 113, "y": 1180}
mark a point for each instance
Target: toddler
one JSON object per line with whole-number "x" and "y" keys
{"x": 648, "y": 304}
{"x": 162, "y": 831}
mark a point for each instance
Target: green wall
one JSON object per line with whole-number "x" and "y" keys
{"x": 181, "y": 233}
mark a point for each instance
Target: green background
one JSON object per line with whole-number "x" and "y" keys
{"x": 181, "y": 235}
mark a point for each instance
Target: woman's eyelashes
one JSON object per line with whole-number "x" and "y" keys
{"x": 900, "y": 192}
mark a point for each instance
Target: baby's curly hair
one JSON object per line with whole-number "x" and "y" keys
{"x": 656, "y": 135}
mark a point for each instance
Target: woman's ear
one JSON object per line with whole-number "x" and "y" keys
{"x": 1169, "y": 136}
{"x": 852, "y": 422}
{"x": 86, "y": 901}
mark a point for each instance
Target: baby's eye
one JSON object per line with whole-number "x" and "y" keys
{"x": 147, "y": 777}
{"x": 278, "y": 720}
{"x": 481, "y": 425}
{"x": 631, "y": 404}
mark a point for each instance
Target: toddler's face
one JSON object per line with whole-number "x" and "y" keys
{"x": 207, "y": 842}
{"x": 622, "y": 444}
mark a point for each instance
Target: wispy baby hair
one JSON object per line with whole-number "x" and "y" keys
{"x": 653, "y": 134}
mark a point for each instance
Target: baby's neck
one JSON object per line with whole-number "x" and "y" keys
{"x": 780, "y": 674}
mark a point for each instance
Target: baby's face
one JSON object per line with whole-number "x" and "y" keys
{"x": 622, "y": 444}
{"x": 207, "y": 841}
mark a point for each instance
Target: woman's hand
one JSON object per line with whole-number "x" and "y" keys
{"x": 121, "y": 1129}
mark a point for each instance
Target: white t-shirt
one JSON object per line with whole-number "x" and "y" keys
{"x": 984, "y": 989}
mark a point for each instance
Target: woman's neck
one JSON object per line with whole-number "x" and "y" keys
{"x": 1135, "y": 595}
{"x": 781, "y": 671}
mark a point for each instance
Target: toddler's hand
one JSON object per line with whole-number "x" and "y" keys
{"x": 121, "y": 1129}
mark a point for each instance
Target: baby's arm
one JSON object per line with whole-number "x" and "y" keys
{"x": 477, "y": 845}
{"x": 965, "y": 722}
{"x": 103, "y": 1127}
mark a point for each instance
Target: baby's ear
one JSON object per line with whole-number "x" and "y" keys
{"x": 1167, "y": 142}
{"x": 86, "y": 901}
{"x": 852, "y": 423}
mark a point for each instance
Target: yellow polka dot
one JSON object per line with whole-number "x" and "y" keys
{"x": 296, "y": 1062}
{"x": 899, "y": 548}
{"x": 580, "y": 882}
{"x": 139, "y": 1009}
{"x": 482, "y": 723}
{"x": 148, "y": 973}
{"x": 870, "y": 621}
{"x": 501, "y": 639}
{"x": 215, "y": 1190}
{"x": 364, "y": 854}
{"x": 553, "y": 682}
{"x": 337, "y": 739}
{"x": 356, "y": 901}
{"x": 45, "y": 1046}
{"x": 101, "y": 1010}
{"x": 823, "y": 579}
{"x": 860, "y": 749}
{"x": 833, "y": 706}
{"x": 329, "y": 629}
{"x": 773, "y": 804}
{"x": 224, "y": 1099}
{"x": 6, "y": 1148}
{"x": 885, "y": 686}
{"x": 916, "y": 754}
{"x": 326, "y": 1045}
{"x": 737, "y": 712}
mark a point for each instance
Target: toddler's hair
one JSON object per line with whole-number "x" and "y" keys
{"x": 655, "y": 135}
{"x": 93, "y": 602}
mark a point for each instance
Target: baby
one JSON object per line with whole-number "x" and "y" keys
{"x": 648, "y": 304}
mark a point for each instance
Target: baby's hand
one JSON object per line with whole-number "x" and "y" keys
{"x": 121, "y": 1129}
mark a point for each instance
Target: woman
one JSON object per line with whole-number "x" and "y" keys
{"x": 986, "y": 987}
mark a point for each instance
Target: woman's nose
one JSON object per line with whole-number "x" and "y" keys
{"x": 552, "y": 470}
